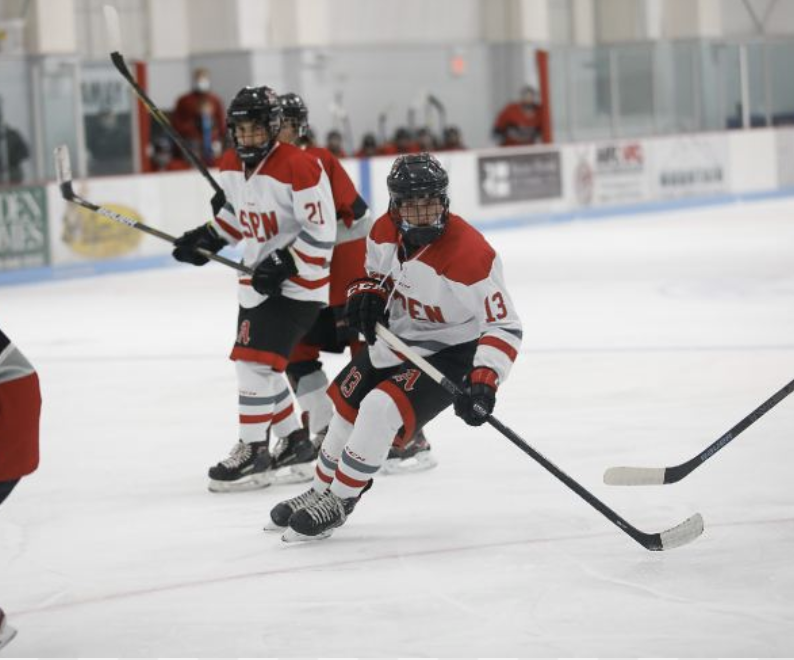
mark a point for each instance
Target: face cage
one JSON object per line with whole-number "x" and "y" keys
{"x": 253, "y": 155}
{"x": 419, "y": 235}
{"x": 300, "y": 124}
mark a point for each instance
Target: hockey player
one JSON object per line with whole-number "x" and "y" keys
{"x": 20, "y": 408}
{"x": 330, "y": 332}
{"x": 438, "y": 284}
{"x": 279, "y": 204}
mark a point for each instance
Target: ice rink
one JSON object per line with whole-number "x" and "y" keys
{"x": 645, "y": 339}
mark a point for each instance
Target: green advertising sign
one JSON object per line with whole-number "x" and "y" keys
{"x": 24, "y": 242}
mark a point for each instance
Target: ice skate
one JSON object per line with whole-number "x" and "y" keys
{"x": 293, "y": 459}
{"x": 246, "y": 468}
{"x": 280, "y": 514}
{"x": 7, "y": 633}
{"x": 318, "y": 520}
{"x": 412, "y": 456}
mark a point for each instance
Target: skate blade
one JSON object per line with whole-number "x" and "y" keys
{"x": 418, "y": 463}
{"x": 291, "y": 536}
{"x": 7, "y": 633}
{"x": 293, "y": 474}
{"x": 270, "y": 526}
{"x": 255, "y": 482}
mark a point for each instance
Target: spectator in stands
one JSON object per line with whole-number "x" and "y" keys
{"x": 452, "y": 139}
{"x": 200, "y": 118}
{"x": 400, "y": 144}
{"x": 425, "y": 140}
{"x": 369, "y": 146}
{"x": 333, "y": 142}
{"x": 520, "y": 122}
{"x": 164, "y": 156}
{"x": 13, "y": 152}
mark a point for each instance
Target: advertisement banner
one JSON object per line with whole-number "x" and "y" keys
{"x": 519, "y": 177}
{"x": 691, "y": 165}
{"x": 24, "y": 241}
{"x": 611, "y": 173}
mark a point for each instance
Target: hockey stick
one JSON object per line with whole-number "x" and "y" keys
{"x": 114, "y": 37}
{"x": 674, "y": 537}
{"x": 63, "y": 170}
{"x": 641, "y": 476}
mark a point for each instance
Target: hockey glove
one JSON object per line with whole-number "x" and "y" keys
{"x": 478, "y": 398}
{"x": 271, "y": 273}
{"x": 366, "y": 307}
{"x": 203, "y": 237}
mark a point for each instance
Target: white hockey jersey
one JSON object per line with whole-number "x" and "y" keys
{"x": 450, "y": 292}
{"x": 287, "y": 201}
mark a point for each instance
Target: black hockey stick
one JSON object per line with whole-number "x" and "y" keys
{"x": 641, "y": 476}
{"x": 63, "y": 170}
{"x": 114, "y": 37}
{"x": 674, "y": 537}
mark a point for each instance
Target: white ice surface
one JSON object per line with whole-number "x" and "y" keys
{"x": 645, "y": 340}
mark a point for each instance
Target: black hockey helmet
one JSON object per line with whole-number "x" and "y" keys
{"x": 415, "y": 177}
{"x": 295, "y": 111}
{"x": 259, "y": 105}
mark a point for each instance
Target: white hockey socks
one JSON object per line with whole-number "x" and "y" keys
{"x": 367, "y": 446}
{"x": 260, "y": 390}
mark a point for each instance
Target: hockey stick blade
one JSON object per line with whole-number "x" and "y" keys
{"x": 113, "y": 26}
{"x": 644, "y": 476}
{"x": 63, "y": 171}
{"x": 674, "y": 537}
{"x": 681, "y": 534}
{"x": 634, "y": 476}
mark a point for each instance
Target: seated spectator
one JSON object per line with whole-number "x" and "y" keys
{"x": 164, "y": 156}
{"x": 520, "y": 123}
{"x": 333, "y": 142}
{"x": 369, "y": 146}
{"x": 200, "y": 118}
{"x": 400, "y": 144}
{"x": 425, "y": 140}
{"x": 452, "y": 139}
{"x": 13, "y": 152}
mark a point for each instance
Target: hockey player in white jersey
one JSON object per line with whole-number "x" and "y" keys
{"x": 330, "y": 333}
{"x": 279, "y": 205}
{"x": 438, "y": 284}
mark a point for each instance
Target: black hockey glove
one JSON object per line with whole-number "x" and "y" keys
{"x": 345, "y": 335}
{"x": 478, "y": 397}
{"x": 366, "y": 306}
{"x": 271, "y": 273}
{"x": 201, "y": 237}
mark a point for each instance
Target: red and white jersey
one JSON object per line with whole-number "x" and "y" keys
{"x": 352, "y": 213}
{"x": 450, "y": 292}
{"x": 20, "y": 408}
{"x": 353, "y": 225}
{"x": 287, "y": 201}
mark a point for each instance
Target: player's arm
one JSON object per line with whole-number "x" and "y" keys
{"x": 498, "y": 346}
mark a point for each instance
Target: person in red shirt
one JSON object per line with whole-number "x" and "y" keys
{"x": 20, "y": 409}
{"x": 200, "y": 118}
{"x": 520, "y": 123}
{"x": 369, "y": 146}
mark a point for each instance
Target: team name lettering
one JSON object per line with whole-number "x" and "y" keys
{"x": 261, "y": 226}
{"x": 419, "y": 311}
